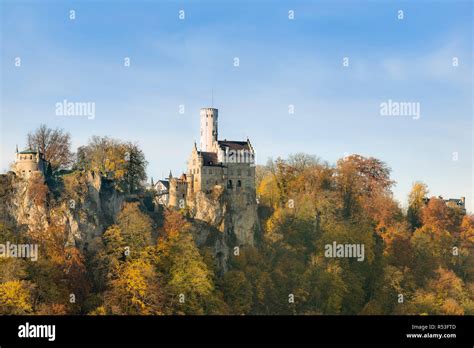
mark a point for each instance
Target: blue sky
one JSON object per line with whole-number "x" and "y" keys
{"x": 180, "y": 62}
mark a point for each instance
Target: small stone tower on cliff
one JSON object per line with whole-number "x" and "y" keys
{"x": 28, "y": 162}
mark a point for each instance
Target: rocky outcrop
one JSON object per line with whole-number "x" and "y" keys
{"x": 86, "y": 204}
{"x": 83, "y": 203}
{"x": 17, "y": 208}
{"x": 224, "y": 220}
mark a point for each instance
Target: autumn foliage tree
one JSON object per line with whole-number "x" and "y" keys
{"x": 416, "y": 202}
{"x": 55, "y": 144}
{"x": 124, "y": 162}
{"x": 189, "y": 284}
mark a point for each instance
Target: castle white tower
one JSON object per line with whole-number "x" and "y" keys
{"x": 208, "y": 141}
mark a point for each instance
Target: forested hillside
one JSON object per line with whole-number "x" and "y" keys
{"x": 141, "y": 258}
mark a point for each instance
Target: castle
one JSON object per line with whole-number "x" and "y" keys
{"x": 28, "y": 162}
{"x": 229, "y": 165}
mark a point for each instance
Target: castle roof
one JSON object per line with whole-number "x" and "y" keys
{"x": 165, "y": 183}
{"x": 28, "y": 152}
{"x": 234, "y": 145}
{"x": 208, "y": 158}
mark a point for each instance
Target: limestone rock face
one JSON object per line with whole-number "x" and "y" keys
{"x": 16, "y": 205}
{"x": 85, "y": 205}
{"x": 89, "y": 206}
{"x": 224, "y": 220}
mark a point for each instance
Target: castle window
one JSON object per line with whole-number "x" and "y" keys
{"x": 197, "y": 171}
{"x": 183, "y": 195}
{"x": 229, "y": 184}
{"x": 239, "y": 183}
{"x": 31, "y": 157}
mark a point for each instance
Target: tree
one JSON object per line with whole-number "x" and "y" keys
{"x": 267, "y": 191}
{"x": 444, "y": 294}
{"x": 323, "y": 288}
{"x": 15, "y": 297}
{"x": 374, "y": 173}
{"x": 438, "y": 215}
{"x": 188, "y": 274}
{"x": 38, "y": 190}
{"x": 467, "y": 229}
{"x": 135, "y": 174}
{"x": 76, "y": 275}
{"x": 248, "y": 287}
{"x": 360, "y": 180}
{"x": 349, "y": 186}
{"x": 106, "y": 263}
{"x": 189, "y": 282}
{"x": 103, "y": 155}
{"x": 467, "y": 247}
{"x": 135, "y": 290}
{"x": 135, "y": 227}
{"x": 238, "y": 292}
{"x": 432, "y": 249}
{"x": 416, "y": 201}
{"x": 302, "y": 161}
{"x": 123, "y": 162}
{"x": 397, "y": 246}
{"x": 55, "y": 144}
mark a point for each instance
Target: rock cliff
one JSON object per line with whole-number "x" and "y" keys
{"x": 84, "y": 203}
{"x": 224, "y": 220}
